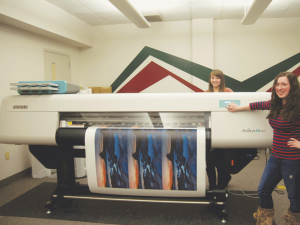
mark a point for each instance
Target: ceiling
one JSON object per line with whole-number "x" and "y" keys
{"x": 103, "y": 12}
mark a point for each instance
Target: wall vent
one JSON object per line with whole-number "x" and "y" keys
{"x": 154, "y": 18}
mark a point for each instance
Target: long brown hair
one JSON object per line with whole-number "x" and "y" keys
{"x": 290, "y": 110}
{"x": 217, "y": 73}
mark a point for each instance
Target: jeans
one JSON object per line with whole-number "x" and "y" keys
{"x": 277, "y": 169}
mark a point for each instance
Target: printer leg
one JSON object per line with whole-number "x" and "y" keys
{"x": 223, "y": 207}
{"x": 65, "y": 178}
{"x": 219, "y": 202}
{"x": 223, "y": 214}
{"x": 66, "y": 173}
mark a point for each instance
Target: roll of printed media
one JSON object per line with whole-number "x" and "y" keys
{"x": 146, "y": 162}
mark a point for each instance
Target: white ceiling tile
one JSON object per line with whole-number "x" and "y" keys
{"x": 176, "y": 17}
{"x": 66, "y": 5}
{"x": 150, "y": 12}
{"x": 117, "y": 19}
{"x": 232, "y": 14}
{"x": 223, "y": 2}
{"x": 205, "y": 1}
{"x": 98, "y": 22}
{"x": 95, "y": 3}
{"x": 90, "y": 3}
{"x": 80, "y": 10}
{"x": 141, "y": 5}
{"x": 234, "y": 7}
{"x": 290, "y": 13}
{"x": 60, "y": 4}
{"x": 271, "y": 13}
{"x": 237, "y": 3}
{"x": 295, "y": 6}
{"x": 86, "y": 17}
{"x": 208, "y": 7}
{"x": 236, "y": 11}
{"x": 95, "y": 21}
{"x": 104, "y": 14}
{"x": 280, "y": 4}
{"x": 175, "y": 9}
{"x": 100, "y": 12}
{"x": 105, "y": 9}
{"x": 206, "y": 14}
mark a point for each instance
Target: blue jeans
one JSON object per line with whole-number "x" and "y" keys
{"x": 277, "y": 169}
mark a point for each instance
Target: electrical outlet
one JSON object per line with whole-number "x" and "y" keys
{"x": 7, "y": 155}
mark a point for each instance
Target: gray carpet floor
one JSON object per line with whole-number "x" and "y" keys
{"x": 246, "y": 180}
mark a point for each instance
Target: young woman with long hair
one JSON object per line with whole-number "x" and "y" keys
{"x": 216, "y": 83}
{"x": 284, "y": 162}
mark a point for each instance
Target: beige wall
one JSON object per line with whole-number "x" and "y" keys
{"x": 243, "y": 51}
{"x": 203, "y": 42}
{"x": 115, "y": 46}
{"x": 22, "y": 58}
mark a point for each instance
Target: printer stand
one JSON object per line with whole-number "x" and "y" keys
{"x": 216, "y": 199}
{"x": 62, "y": 159}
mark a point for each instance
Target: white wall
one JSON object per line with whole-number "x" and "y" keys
{"x": 242, "y": 51}
{"x": 115, "y": 46}
{"x": 203, "y": 42}
{"x": 22, "y": 58}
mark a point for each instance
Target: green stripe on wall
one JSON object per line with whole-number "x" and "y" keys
{"x": 182, "y": 64}
{"x": 263, "y": 78}
{"x": 251, "y": 84}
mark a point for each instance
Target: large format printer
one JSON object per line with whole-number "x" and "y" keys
{"x": 193, "y": 122}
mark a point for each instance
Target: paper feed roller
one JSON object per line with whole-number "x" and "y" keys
{"x": 71, "y": 136}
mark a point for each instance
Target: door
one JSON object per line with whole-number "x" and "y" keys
{"x": 57, "y": 66}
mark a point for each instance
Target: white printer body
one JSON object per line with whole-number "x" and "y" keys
{"x": 34, "y": 119}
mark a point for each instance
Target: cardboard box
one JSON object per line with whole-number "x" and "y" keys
{"x": 106, "y": 90}
{"x": 97, "y": 90}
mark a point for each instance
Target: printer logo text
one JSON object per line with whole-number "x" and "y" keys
{"x": 252, "y": 131}
{"x": 20, "y": 106}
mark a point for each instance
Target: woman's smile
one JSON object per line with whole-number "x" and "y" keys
{"x": 215, "y": 81}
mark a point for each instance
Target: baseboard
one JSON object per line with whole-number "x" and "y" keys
{"x": 15, "y": 177}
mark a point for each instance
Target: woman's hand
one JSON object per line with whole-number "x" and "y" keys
{"x": 293, "y": 143}
{"x": 232, "y": 107}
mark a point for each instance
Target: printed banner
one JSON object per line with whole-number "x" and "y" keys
{"x": 154, "y": 162}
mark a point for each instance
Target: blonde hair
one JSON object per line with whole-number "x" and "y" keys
{"x": 217, "y": 73}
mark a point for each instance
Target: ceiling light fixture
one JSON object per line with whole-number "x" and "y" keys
{"x": 254, "y": 11}
{"x": 131, "y": 13}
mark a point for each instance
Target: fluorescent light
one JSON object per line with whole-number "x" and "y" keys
{"x": 131, "y": 13}
{"x": 255, "y": 10}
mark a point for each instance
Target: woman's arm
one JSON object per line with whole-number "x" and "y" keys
{"x": 232, "y": 107}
